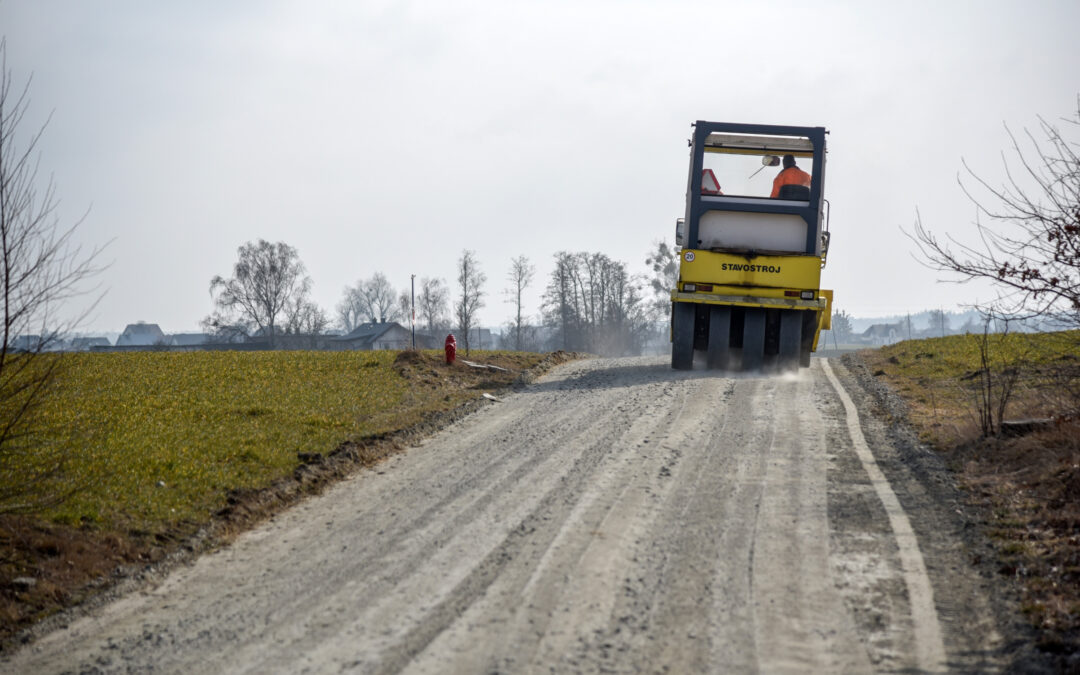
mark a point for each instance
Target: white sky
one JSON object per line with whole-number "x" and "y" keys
{"x": 388, "y": 136}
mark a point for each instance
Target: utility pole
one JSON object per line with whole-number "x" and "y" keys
{"x": 412, "y": 301}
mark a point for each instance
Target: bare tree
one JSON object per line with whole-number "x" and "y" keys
{"x": 560, "y": 299}
{"x": 403, "y": 311}
{"x": 41, "y": 269}
{"x": 841, "y": 325}
{"x": 371, "y": 301}
{"x": 664, "y": 263}
{"x": 521, "y": 275}
{"x": 626, "y": 321}
{"x": 939, "y": 323}
{"x": 304, "y": 317}
{"x": 266, "y": 279}
{"x": 1030, "y": 244}
{"x": 470, "y": 282}
{"x": 596, "y": 305}
{"x": 379, "y": 298}
{"x": 433, "y": 302}
{"x": 350, "y": 310}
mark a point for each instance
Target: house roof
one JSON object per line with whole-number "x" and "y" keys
{"x": 137, "y": 328}
{"x": 369, "y": 332}
{"x": 27, "y": 342}
{"x": 141, "y": 334}
{"x": 81, "y": 342}
{"x": 186, "y": 339}
{"x": 882, "y": 329}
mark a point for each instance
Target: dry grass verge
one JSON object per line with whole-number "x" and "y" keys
{"x": 107, "y": 538}
{"x": 1028, "y": 485}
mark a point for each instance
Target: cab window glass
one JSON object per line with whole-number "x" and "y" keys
{"x": 749, "y": 172}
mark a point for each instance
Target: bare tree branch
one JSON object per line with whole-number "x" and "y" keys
{"x": 40, "y": 269}
{"x": 1030, "y": 239}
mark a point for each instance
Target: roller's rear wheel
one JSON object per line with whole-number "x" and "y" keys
{"x": 809, "y": 329}
{"x": 719, "y": 352}
{"x": 682, "y": 336}
{"x": 789, "y": 356}
{"x": 753, "y": 352}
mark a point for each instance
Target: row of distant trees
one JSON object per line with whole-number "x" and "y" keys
{"x": 596, "y": 305}
{"x": 591, "y": 303}
{"x": 269, "y": 292}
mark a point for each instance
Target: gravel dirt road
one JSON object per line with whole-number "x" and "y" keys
{"x": 615, "y": 516}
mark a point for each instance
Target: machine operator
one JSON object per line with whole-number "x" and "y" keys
{"x": 789, "y": 175}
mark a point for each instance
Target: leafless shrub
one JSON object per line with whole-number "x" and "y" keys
{"x": 996, "y": 380}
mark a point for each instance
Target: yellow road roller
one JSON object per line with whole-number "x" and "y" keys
{"x": 751, "y": 245}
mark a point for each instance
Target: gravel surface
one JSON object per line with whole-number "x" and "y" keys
{"x": 614, "y": 516}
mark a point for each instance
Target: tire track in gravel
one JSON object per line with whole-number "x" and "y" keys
{"x": 570, "y": 500}
{"x": 564, "y": 454}
{"x": 597, "y": 529}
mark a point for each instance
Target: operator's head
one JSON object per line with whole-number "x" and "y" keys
{"x": 789, "y": 161}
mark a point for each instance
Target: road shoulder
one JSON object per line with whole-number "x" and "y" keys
{"x": 979, "y": 613}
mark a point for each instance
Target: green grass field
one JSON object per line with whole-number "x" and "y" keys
{"x": 941, "y": 377}
{"x": 155, "y": 439}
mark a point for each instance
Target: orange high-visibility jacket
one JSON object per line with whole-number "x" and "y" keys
{"x": 790, "y": 176}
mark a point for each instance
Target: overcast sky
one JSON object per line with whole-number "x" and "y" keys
{"x": 390, "y": 136}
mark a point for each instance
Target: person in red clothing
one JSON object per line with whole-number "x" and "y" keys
{"x": 789, "y": 175}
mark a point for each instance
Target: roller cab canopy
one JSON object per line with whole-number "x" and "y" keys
{"x": 758, "y": 144}
{"x": 739, "y": 212}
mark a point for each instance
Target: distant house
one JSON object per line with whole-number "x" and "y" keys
{"x": 187, "y": 339}
{"x": 39, "y": 343}
{"x": 883, "y": 333}
{"x": 27, "y": 343}
{"x": 368, "y": 336}
{"x": 426, "y": 340}
{"x": 85, "y": 344}
{"x": 141, "y": 335}
{"x": 294, "y": 341}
